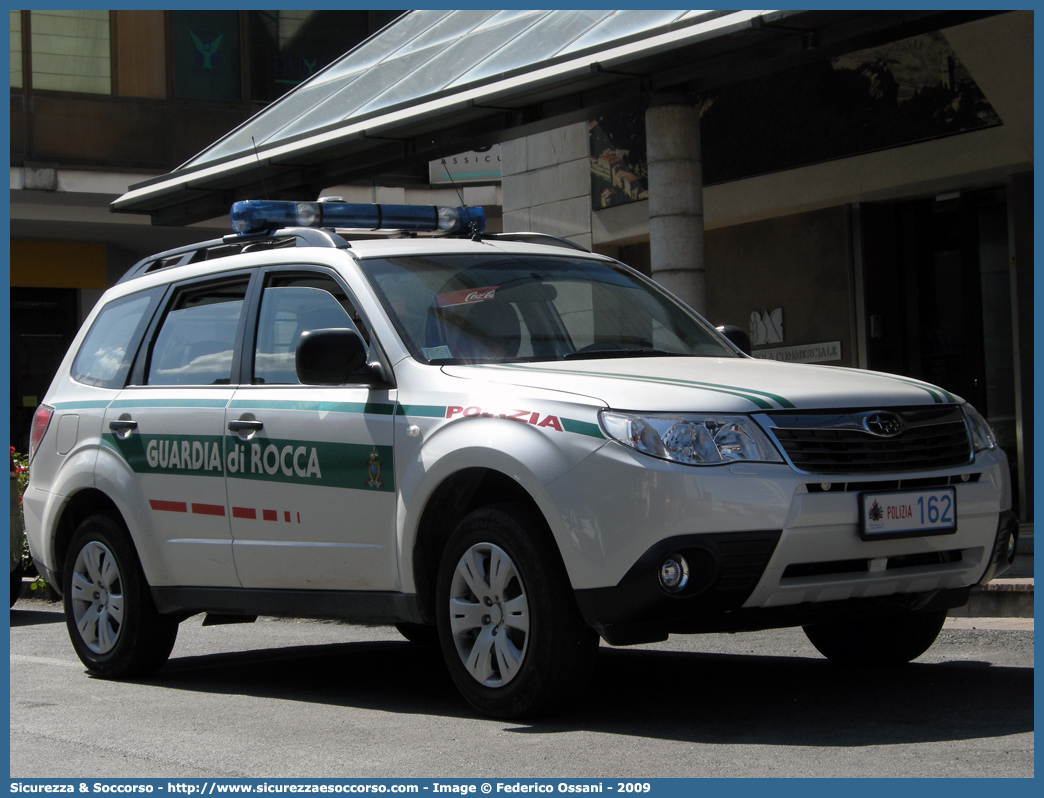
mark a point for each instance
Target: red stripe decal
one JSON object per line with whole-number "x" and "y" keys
{"x": 170, "y": 507}
{"x": 250, "y": 514}
{"x": 208, "y": 509}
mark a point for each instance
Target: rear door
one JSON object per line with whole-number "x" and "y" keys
{"x": 310, "y": 472}
{"x": 168, "y": 425}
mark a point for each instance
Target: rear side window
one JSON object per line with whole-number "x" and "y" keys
{"x": 104, "y": 359}
{"x": 197, "y": 339}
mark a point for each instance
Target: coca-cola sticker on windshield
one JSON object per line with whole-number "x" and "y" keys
{"x": 468, "y": 296}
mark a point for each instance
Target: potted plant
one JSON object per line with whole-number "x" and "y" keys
{"x": 19, "y": 478}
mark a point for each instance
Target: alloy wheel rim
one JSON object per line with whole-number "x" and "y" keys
{"x": 489, "y": 615}
{"x": 97, "y": 597}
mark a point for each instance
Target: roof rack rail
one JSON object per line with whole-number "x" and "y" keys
{"x": 233, "y": 244}
{"x": 305, "y": 237}
{"x": 537, "y": 238}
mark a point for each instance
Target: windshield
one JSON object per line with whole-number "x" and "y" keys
{"x": 511, "y": 308}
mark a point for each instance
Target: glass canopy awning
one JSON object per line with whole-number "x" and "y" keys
{"x": 435, "y": 82}
{"x": 428, "y": 55}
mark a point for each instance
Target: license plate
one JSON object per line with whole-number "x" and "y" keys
{"x": 908, "y": 513}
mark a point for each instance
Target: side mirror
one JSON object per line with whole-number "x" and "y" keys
{"x": 737, "y": 336}
{"x": 331, "y": 357}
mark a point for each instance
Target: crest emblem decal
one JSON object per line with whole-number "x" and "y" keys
{"x": 875, "y": 513}
{"x": 373, "y": 470}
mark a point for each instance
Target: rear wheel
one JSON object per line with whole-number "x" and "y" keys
{"x": 112, "y": 620}
{"x": 512, "y": 636}
{"x": 889, "y": 640}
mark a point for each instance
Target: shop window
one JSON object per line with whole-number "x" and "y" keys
{"x": 16, "y": 49}
{"x": 206, "y": 55}
{"x": 70, "y": 51}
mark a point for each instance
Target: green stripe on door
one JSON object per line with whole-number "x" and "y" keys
{"x": 368, "y": 408}
{"x": 356, "y": 466}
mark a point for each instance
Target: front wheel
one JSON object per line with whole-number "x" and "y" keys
{"x": 889, "y": 640}
{"x": 511, "y": 633}
{"x": 112, "y": 620}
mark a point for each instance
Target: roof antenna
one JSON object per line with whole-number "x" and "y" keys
{"x": 264, "y": 186}
{"x": 474, "y": 225}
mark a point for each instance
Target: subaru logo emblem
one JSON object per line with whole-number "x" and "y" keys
{"x": 885, "y": 425}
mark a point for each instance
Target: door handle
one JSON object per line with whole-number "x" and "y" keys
{"x": 245, "y": 425}
{"x": 123, "y": 425}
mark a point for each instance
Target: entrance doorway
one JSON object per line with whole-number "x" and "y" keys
{"x": 43, "y": 323}
{"x": 938, "y": 300}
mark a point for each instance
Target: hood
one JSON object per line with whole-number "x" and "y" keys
{"x": 719, "y": 385}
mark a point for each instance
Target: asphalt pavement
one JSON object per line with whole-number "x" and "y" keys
{"x": 292, "y": 698}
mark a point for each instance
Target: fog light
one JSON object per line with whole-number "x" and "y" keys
{"x": 674, "y": 573}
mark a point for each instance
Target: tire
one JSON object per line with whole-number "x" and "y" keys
{"x": 510, "y": 631}
{"x": 889, "y": 640}
{"x": 419, "y": 634}
{"x": 16, "y": 584}
{"x": 112, "y": 620}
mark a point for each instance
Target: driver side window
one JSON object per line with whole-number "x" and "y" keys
{"x": 290, "y": 307}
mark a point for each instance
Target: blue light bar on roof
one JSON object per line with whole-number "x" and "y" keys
{"x": 258, "y": 216}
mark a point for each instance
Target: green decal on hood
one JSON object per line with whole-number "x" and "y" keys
{"x": 761, "y": 399}
{"x": 939, "y": 395}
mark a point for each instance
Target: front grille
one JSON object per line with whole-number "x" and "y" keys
{"x": 743, "y": 562}
{"x": 893, "y": 484}
{"x": 836, "y": 443}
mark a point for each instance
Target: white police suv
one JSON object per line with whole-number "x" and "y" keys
{"x": 501, "y": 442}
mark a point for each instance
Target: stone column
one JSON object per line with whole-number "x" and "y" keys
{"x": 672, "y": 131}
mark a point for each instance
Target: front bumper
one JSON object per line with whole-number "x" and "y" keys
{"x": 724, "y": 570}
{"x": 728, "y": 570}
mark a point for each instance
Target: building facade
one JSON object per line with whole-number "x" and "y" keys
{"x": 873, "y": 210}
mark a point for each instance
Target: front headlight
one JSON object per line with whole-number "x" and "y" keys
{"x": 982, "y": 436}
{"x": 692, "y": 439}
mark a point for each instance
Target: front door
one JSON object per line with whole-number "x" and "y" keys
{"x": 310, "y": 473}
